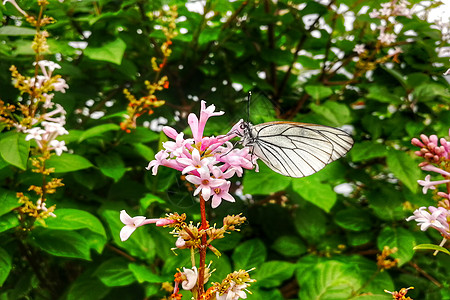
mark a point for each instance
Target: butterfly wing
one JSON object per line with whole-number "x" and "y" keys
{"x": 298, "y": 149}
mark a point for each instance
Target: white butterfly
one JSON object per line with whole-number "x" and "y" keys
{"x": 294, "y": 149}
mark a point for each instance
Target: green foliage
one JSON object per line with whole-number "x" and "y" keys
{"x": 304, "y": 237}
{"x": 14, "y": 149}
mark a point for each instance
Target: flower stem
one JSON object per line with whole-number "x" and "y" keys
{"x": 203, "y": 246}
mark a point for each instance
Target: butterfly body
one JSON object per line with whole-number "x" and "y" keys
{"x": 294, "y": 149}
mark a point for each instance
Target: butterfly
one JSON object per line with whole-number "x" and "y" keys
{"x": 294, "y": 149}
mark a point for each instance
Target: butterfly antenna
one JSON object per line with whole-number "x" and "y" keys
{"x": 249, "y": 98}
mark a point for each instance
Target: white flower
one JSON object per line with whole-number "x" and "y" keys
{"x": 38, "y": 84}
{"x": 426, "y": 220}
{"x": 60, "y": 85}
{"x": 235, "y": 292}
{"x": 58, "y": 146}
{"x": 360, "y": 48}
{"x": 48, "y": 64}
{"x": 48, "y": 100}
{"x": 374, "y": 14}
{"x": 191, "y": 278}
{"x": 130, "y": 224}
{"x": 53, "y": 127}
{"x": 180, "y": 242}
{"x": 387, "y": 38}
{"x": 34, "y": 134}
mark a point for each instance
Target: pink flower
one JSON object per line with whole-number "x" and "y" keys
{"x": 198, "y": 126}
{"x": 204, "y": 182}
{"x": 221, "y": 192}
{"x": 16, "y": 6}
{"x": 60, "y": 85}
{"x": 176, "y": 148}
{"x": 360, "y": 48}
{"x": 132, "y": 223}
{"x": 374, "y": 14}
{"x": 180, "y": 242}
{"x": 196, "y": 162}
{"x": 208, "y": 161}
{"x": 432, "y": 168}
{"x": 427, "y": 184}
{"x": 437, "y": 219}
{"x": 161, "y": 158}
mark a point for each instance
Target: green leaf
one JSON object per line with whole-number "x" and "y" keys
{"x": 429, "y": 91}
{"x": 8, "y": 200}
{"x": 359, "y": 238}
{"x": 277, "y": 56}
{"x": 396, "y": 75}
{"x": 353, "y": 219}
{"x": 87, "y": 288}
{"x": 249, "y": 254}
{"x": 400, "y": 238}
{"x": 328, "y": 280}
{"x": 382, "y": 94}
{"x": 367, "y": 150}
{"x": 289, "y": 246}
{"x": 140, "y": 135}
{"x": 387, "y": 203}
{"x": 8, "y": 221}
{"x": 143, "y": 274}
{"x": 16, "y": 31}
{"x": 5, "y": 265}
{"x": 68, "y": 163}
{"x": 61, "y": 243}
{"x": 310, "y": 222}
{"x": 115, "y": 272}
{"x": 98, "y": 131}
{"x": 320, "y": 194}
{"x": 273, "y": 273}
{"x": 432, "y": 247}
{"x": 111, "y": 165}
{"x": 318, "y": 92}
{"x": 404, "y": 168}
{"x": 74, "y": 219}
{"x": 265, "y": 181}
{"x": 110, "y": 52}
{"x": 308, "y": 62}
{"x": 144, "y": 151}
{"x": 3, "y": 163}
{"x": 14, "y": 149}
{"x": 333, "y": 113}
{"x": 208, "y": 34}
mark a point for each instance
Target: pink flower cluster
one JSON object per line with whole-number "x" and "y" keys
{"x": 430, "y": 149}
{"x": 207, "y": 161}
{"x": 436, "y": 218}
{"x": 437, "y": 158}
